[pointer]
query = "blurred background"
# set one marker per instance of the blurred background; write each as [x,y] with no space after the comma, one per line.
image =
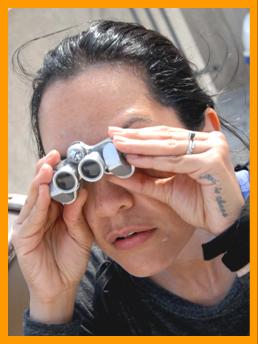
[215,40]
[210,38]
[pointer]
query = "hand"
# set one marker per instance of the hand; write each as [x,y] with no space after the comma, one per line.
[201,187]
[52,242]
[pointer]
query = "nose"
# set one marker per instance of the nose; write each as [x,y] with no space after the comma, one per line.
[109,199]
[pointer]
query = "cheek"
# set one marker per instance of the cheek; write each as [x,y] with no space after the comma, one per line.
[89,214]
[177,236]
[171,241]
[96,224]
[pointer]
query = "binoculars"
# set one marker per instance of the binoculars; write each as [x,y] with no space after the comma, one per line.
[88,163]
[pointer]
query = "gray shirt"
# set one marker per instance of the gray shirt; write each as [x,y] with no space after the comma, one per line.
[112,302]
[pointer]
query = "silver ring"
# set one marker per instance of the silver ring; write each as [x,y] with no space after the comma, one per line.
[191,142]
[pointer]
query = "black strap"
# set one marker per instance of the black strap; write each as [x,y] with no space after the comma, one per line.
[234,242]
[240,167]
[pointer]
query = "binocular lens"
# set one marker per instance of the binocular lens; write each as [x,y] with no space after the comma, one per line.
[65,181]
[90,169]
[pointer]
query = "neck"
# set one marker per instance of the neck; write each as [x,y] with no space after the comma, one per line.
[192,278]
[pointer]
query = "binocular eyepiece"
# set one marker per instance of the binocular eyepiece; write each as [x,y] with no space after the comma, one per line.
[88,163]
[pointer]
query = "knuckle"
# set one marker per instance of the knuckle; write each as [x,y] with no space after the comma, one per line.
[218,138]
[39,164]
[220,144]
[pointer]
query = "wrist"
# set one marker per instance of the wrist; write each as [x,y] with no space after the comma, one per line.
[55,311]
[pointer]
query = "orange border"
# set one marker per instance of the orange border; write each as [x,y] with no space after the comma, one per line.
[3,171]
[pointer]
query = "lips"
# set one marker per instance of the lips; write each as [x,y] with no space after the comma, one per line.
[130,237]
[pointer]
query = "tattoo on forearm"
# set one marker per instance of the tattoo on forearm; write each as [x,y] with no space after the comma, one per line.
[208,177]
[217,190]
[221,203]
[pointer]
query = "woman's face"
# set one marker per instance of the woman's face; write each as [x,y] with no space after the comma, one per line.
[82,108]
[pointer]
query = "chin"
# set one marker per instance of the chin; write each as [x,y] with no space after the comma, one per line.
[146,269]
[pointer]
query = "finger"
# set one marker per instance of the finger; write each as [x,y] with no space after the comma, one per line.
[38,215]
[74,218]
[73,211]
[159,147]
[52,159]
[55,210]
[193,165]
[44,176]
[148,132]
[158,132]
[200,167]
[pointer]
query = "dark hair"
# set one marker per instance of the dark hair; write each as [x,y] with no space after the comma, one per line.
[166,72]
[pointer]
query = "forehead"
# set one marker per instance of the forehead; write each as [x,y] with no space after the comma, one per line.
[82,107]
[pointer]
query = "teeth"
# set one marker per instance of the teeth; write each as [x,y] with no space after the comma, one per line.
[129,234]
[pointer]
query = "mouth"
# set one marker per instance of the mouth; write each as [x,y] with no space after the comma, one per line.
[128,238]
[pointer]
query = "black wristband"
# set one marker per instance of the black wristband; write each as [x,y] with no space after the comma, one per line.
[234,242]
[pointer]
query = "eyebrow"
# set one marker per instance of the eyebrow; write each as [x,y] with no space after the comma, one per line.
[133,120]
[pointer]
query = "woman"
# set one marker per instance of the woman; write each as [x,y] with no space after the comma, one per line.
[138,239]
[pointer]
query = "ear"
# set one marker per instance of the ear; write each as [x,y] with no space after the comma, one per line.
[212,121]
